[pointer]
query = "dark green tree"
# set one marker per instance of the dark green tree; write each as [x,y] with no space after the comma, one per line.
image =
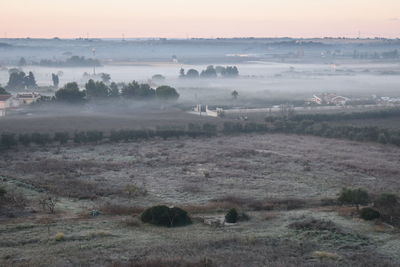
[114,90]
[235,94]
[192,73]
[354,197]
[30,81]
[166,93]
[96,89]
[70,93]
[3,91]
[130,90]
[232,216]
[22,62]
[16,80]
[209,72]
[56,80]
[106,78]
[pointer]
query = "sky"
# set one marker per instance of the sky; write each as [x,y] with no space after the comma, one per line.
[199,18]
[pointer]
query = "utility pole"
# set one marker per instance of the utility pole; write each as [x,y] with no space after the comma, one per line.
[94,61]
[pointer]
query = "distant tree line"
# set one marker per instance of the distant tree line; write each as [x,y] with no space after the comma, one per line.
[71,92]
[74,61]
[210,72]
[275,125]
[393,54]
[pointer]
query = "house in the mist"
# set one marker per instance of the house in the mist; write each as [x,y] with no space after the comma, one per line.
[28,98]
[5,103]
[328,99]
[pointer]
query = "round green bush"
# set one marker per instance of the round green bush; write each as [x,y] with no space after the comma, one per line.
[165,216]
[232,216]
[369,214]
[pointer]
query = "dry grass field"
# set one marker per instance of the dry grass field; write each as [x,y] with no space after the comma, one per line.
[280,181]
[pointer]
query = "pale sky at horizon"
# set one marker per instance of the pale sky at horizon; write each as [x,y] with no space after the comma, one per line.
[200,18]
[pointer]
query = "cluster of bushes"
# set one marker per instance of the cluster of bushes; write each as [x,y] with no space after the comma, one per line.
[385,206]
[9,140]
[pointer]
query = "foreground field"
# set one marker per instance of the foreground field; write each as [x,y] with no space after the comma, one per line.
[277,179]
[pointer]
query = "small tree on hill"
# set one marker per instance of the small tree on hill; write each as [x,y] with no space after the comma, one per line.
[232,216]
[388,204]
[354,197]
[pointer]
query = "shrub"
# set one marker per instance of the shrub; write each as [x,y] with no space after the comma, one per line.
[369,214]
[59,237]
[25,139]
[61,137]
[40,139]
[80,137]
[165,216]
[94,136]
[354,197]
[48,203]
[8,140]
[232,216]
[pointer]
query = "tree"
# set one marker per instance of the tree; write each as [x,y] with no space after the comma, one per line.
[192,73]
[8,140]
[114,90]
[3,91]
[129,90]
[355,197]
[30,81]
[96,89]
[209,72]
[182,73]
[235,94]
[387,203]
[105,77]
[145,91]
[22,62]
[166,93]
[70,93]
[165,216]
[158,77]
[56,80]
[232,216]
[230,72]
[16,80]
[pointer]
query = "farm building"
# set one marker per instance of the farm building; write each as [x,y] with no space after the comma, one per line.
[28,98]
[329,99]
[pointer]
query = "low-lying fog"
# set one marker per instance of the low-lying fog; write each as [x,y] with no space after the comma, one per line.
[258,80]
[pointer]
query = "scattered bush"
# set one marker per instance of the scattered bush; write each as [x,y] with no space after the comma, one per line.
[369,214]
[61,137]
[165,216]
[8,140]
[48,203]
[232,216]
[59,237]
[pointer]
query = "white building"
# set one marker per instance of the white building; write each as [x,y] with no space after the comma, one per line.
[28,98]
